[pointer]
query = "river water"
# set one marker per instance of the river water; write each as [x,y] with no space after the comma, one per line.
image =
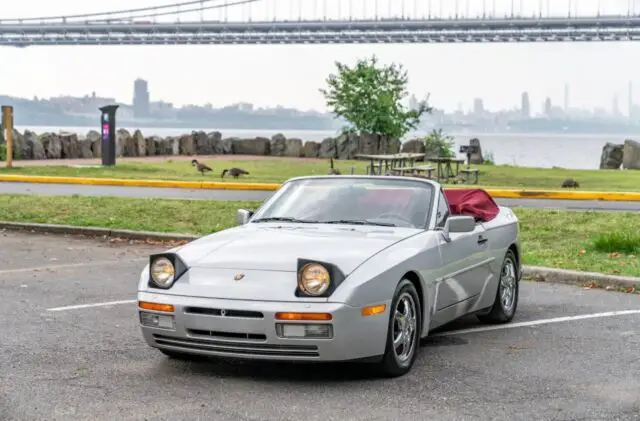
[575,151]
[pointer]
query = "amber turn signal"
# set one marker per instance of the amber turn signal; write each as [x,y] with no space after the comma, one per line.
[372,310]
[303,316]
[167,308]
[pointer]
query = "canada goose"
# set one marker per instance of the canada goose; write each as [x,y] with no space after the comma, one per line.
[200,167]
[570,183]
[234,172]
[333,171]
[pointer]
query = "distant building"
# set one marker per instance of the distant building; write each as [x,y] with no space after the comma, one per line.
[547,107]
[478,106]
[140,98]
[526,106]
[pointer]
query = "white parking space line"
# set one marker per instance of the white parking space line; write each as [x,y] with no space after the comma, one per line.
[70,265]
[539,322]
[106,304]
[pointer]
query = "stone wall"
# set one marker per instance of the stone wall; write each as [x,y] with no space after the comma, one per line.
[66,145]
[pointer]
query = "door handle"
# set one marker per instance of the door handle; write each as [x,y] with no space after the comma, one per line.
[482,240]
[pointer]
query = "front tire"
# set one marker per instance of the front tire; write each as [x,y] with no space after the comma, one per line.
[507,294]
[403,333]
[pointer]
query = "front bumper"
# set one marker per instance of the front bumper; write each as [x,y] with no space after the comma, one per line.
[247,329]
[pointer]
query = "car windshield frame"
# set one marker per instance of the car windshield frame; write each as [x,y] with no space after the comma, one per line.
[271,209]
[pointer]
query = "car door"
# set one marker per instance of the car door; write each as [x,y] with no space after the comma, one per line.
[465,261]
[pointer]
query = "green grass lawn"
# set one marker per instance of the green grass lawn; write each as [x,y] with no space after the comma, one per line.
[588,241]
[276,170]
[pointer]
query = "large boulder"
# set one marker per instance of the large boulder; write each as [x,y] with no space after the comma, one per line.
[631,155]
[124,143]
[612,155]
[476,158]
[96,143]
[21,149]
[256,146]
[34,144]
[311,149]
[347,145]
[52,145]
[278,144]
[139,144]
[187,145]
[293,148]
[153,145]
[389,145]
[222,146]
[413,146]
[328,148]
[203,143]
[70,145]
[84,144]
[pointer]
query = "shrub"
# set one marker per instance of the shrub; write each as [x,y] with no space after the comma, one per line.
[620,242]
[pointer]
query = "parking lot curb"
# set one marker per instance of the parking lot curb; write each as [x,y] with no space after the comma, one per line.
[496,192]
[534,273]
[95,232]
[574,277]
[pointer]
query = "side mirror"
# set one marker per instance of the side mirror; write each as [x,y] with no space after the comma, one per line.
[458,224]
[243,216]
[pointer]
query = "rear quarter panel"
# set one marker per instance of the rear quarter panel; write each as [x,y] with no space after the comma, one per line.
[502,232]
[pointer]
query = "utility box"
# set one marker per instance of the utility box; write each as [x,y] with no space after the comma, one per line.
[108,130]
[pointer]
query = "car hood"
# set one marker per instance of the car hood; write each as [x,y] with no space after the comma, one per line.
[273,247]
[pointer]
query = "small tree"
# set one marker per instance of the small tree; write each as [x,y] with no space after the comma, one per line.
[440,145]
[370,98]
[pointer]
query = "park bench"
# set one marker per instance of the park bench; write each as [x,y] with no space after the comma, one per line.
[468,172]
[414,170]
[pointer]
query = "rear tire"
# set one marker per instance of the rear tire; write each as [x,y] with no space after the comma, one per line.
[405,325]
[507,294]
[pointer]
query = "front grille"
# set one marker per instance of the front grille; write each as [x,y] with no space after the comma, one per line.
[245,314]
[228,335]
[238,348]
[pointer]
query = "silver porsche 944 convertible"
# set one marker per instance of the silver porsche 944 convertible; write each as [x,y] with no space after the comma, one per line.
[336,268]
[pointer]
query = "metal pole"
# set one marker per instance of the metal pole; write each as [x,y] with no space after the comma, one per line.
[7,126]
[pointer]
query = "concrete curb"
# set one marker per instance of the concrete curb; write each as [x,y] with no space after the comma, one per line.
[95,232]
[212,185]
[538,273]
[574,277]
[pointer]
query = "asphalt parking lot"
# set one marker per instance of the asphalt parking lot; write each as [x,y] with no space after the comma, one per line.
[88,361]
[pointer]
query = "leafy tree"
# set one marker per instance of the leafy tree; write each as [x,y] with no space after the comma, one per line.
[369,96]
[438,144]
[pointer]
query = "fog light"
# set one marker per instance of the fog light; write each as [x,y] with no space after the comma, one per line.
[310,331]
[161,321]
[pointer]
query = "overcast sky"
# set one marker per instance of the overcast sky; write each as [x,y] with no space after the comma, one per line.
[291,75]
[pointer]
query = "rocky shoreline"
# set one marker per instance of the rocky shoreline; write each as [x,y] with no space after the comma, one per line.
[68,145]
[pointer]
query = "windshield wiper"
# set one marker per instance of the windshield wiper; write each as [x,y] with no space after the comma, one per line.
[284,219]
[359,222]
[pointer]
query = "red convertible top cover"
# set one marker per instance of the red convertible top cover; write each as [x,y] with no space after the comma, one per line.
[472,202]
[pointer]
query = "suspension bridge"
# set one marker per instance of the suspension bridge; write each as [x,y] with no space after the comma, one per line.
[218,22]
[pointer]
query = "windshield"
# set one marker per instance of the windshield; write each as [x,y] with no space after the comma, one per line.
[345,200]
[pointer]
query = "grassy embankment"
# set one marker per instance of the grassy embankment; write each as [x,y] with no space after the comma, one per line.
[276,170]
[588,241]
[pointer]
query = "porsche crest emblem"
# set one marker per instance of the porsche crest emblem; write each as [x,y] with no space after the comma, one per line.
[238,277]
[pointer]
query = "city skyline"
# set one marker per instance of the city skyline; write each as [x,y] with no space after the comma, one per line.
[142,98]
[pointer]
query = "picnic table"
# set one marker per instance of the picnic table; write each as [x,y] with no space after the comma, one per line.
[444,169]
[389,161]
[417,169]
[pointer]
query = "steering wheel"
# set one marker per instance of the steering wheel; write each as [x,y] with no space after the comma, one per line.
[388,215]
